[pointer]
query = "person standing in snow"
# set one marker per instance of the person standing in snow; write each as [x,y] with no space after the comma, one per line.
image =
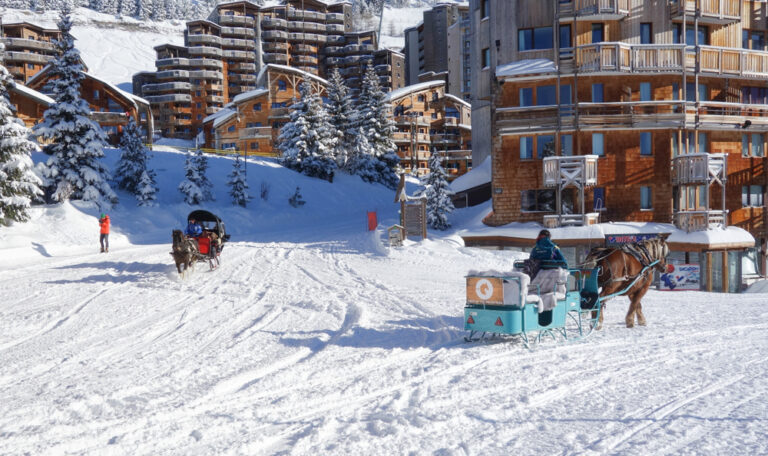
[547,252]
[104,237]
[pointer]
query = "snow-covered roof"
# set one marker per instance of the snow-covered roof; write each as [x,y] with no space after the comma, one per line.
[31,93]
[530,66]
[201,21]
[714,238]
[477,176]
[395,94]
[31,25]
[271,3]
[457,100]
[261,82]
[220,116]
[131,97]
[248,95]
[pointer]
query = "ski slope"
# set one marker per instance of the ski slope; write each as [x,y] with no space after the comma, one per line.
[315,337]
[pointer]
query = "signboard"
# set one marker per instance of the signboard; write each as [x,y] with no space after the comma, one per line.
[415,218]
[680,277]
[485,290]
[614,240]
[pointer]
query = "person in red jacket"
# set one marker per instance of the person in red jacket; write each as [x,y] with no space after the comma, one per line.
[104,238]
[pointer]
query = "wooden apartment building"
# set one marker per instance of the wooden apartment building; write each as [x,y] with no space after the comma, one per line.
[28,48]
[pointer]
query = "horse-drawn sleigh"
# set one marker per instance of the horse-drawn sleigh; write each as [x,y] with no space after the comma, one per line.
[205,247]
[569,307]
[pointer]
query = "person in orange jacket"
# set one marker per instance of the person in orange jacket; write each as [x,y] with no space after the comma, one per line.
[104,238]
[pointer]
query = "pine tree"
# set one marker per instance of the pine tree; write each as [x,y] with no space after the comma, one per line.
[190,186]
[77,143]
[341,117]
[361,160]
[238,185]
[438,193]
[306,142]
[376,123]
[202,171]
[18,184]
[146,191]
[133,159]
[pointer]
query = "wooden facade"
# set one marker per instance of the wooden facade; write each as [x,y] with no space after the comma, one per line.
[252,122]
[28,49]
[429,120]
[110,107]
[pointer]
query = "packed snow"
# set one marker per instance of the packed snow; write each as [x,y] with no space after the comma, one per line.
[316,337]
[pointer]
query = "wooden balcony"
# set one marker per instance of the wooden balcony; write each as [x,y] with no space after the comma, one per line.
[730,61]
[112,118]
[255,133]
[172,63]
[409,120]
[599,10]
[699,169]
[556,221]
[275,47]
[206,63]
[21,44]
[238,31]
[27,57]
[231,20]
[570,171]
[699,220]
[211,40]
[613,57]
[166,87]
[271,23]
[406,137]
[276,58]
[335,18]
[205,51]
[709,11]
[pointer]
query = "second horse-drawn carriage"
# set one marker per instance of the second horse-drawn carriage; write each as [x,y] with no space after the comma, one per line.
[206,247]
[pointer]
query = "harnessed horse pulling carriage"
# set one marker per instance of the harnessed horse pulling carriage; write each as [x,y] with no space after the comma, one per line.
[204,248]
[561,304]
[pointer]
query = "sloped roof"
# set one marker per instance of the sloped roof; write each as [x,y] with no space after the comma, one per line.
[260,79]
[248,95]
[407,90]
[220,116]
[31,93]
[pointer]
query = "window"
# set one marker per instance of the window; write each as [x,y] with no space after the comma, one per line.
[526,147]
[565,36]
[96,94]
[597,93]
[646,143]
[752,195]
[545,146]
[526,96]
[486,58]
[597,144]
[646,202]
[598,33]
[257,107]
[645,91]
[535,38]
[646,34]
[752,145]
[545,95]
[254,146]
[199,116]
[198,105]
[598,199]
[538,200]
[231,128]
[485,8]
[566,145]
[198,93]
[282,86]
[758,40]
[690,92]
[30,66]
[703,142]
[754,95]
[565,94]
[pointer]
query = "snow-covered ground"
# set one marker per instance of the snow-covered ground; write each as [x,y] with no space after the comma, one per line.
[315,337]
[113,48]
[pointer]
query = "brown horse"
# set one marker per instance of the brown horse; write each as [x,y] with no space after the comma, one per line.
[620,266]
[184,251]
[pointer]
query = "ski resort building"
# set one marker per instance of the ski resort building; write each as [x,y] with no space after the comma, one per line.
[111,107]
[428,121]
[627,111]
[251,123]
[28,48]
[222,56]
[29,104]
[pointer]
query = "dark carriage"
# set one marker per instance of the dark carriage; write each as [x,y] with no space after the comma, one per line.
[204,248]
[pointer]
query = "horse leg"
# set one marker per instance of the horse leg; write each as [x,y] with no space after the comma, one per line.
[630,318]
[639,307]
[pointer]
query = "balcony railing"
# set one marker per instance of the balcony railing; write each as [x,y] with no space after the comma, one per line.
[174,62]
[23,43]
[570,171]
[276,58]
[27,57]
[202,74]
[622,57]
[408,120]
[172,74]
[555,221]
[711,11]
[243,21]
[594,9]
[238,55]
[699,220]
[175,98]
[335,17]
[275,35]
[238,31]
[294,13]
[109,117]
[229,43]
[406,137]
[204,39]
[206,63]
[206,51]
[166,87]
[255,132]
[271,23]
[699,169]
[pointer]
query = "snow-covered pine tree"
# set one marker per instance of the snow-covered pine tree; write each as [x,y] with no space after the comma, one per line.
[373,117]
[202,171]
[361,161]
[77,142]
[146,191]
[341,117]
[18,184]
[438,193]
[190,186]
[133,158]
[238,187]
[306,142]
